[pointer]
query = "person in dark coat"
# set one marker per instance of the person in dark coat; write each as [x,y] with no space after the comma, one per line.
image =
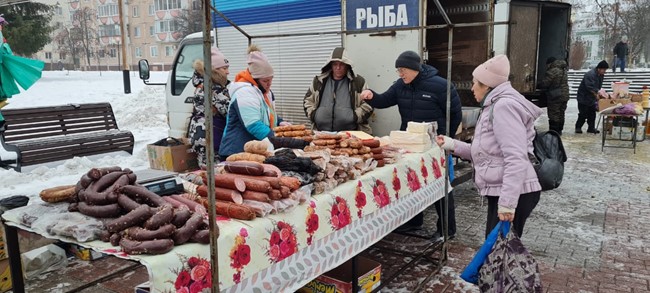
[621,51]
[587,97]
[556,84]
[421,96]
[220,102]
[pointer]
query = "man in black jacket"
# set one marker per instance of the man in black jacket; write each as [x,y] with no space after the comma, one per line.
[587,97]
[421,96]
[620,54]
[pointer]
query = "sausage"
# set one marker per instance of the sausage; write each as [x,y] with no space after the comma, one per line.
[73,207]
[96,173]
[221,193]
[183,234]
[142,193]
[235,211]
[201,236]
[188,202]
[134,217]
[126,202]
[378,156]
[173,202]
[159,246]
[254,183]
[81,196]
[104,236]
[141,234]
[59,193]
[380,163]
[377,150]
[229,182]
[181,216]
[115,238]
[255,195]
[371,143]
[97,198]
[285,191]
[85,180]
[163,216]
[271,170]
[275,194]
[106,181]
[245,168]
[102,211]
[292,182]
[132,178]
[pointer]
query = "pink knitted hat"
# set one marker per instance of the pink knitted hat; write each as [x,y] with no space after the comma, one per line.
[493,72]
[258,64]
[218,59]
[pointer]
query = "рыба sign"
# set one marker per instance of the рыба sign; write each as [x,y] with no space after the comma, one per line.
[381,14]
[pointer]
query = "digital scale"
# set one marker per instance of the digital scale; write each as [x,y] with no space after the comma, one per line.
[160,182]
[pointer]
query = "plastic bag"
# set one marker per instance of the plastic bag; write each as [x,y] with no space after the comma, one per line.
[509,267]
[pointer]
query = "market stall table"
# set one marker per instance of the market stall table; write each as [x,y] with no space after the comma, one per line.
[284,251]
[606,117]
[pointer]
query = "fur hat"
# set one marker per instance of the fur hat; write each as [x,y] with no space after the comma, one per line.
[603,64]
[258,64]
[408,59]
[217,58]
[493,72]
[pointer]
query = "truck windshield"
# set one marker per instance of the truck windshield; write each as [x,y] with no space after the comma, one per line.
[183,69]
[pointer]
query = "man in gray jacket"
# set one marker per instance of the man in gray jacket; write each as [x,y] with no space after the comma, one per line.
[332,102]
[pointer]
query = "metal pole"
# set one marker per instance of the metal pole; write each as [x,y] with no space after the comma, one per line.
[209,141]
[125,67]
[445,205]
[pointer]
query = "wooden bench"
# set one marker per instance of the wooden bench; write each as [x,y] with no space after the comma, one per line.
[47,134]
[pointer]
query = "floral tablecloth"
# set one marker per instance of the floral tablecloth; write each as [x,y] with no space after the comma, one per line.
[282,252]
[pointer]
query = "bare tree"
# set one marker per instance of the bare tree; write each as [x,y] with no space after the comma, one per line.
[67,45]
[190,21]
[84,31]
[624,17]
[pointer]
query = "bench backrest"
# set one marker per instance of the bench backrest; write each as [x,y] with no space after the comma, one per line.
[41,122]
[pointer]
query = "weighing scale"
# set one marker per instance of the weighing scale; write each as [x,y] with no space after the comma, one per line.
[160,182]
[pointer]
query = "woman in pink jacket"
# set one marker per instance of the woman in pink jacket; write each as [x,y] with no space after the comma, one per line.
[503,138]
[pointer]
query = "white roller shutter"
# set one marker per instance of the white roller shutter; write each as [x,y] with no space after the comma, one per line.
[296,60]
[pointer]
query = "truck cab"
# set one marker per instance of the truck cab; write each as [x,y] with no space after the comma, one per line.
[179,91]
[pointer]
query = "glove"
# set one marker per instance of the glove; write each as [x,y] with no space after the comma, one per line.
[269,144]
[288,142]
[448,143]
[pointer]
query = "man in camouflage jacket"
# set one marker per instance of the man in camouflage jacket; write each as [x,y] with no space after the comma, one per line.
[557,92]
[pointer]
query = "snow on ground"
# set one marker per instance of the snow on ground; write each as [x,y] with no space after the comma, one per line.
[142,112]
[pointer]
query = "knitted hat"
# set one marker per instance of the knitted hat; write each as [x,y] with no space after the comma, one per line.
[493,72]
[2,20]
[218,59]
[603,64]
[408,59]
[258,64]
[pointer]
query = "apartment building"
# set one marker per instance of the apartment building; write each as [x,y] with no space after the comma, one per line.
[151,26]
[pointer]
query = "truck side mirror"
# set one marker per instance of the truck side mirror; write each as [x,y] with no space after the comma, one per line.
[143,66]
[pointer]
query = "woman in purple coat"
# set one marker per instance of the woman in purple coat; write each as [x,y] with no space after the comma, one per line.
[503,140]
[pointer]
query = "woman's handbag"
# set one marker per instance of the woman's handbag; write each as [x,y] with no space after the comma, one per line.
[509,267]
[471,272]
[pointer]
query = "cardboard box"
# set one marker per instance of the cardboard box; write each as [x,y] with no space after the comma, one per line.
[171,154]
[83,253]
[606,103]
[340,278]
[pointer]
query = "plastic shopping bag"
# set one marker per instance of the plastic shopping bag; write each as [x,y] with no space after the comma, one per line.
[471,272]
[509,267]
